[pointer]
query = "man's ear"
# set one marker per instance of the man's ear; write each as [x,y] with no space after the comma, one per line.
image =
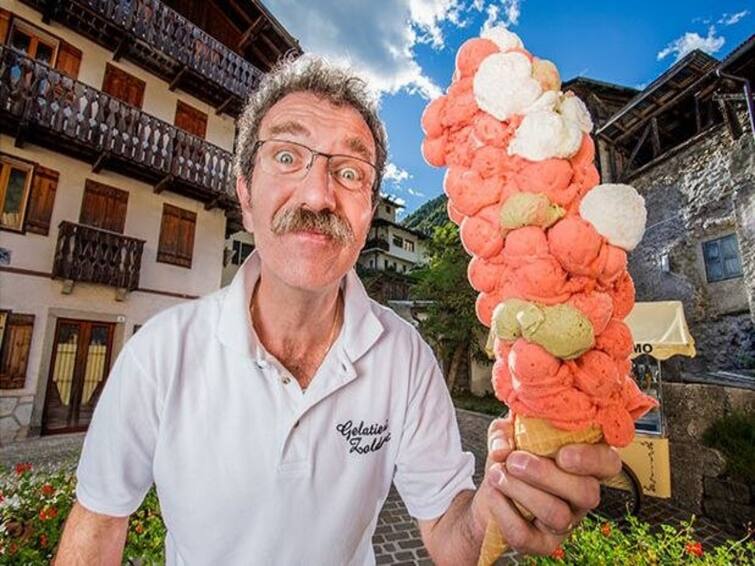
[244,194]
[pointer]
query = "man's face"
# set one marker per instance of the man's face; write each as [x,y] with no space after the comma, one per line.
[273,205]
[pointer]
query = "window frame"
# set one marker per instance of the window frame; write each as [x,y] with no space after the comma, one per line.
[7,163]
[165,256]
[718,243]
[35,33]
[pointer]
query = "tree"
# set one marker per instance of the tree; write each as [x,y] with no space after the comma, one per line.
[450,324]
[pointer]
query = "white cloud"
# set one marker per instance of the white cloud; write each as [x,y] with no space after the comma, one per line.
[375,38]
[692,40]
[731,19]
[395,174]
[506,14]
[415,193]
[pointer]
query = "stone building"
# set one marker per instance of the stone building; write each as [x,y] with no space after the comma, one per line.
[117,126]
[686,143]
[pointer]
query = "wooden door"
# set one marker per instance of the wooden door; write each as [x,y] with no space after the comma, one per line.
[123,86]
[79,365]
[191,120]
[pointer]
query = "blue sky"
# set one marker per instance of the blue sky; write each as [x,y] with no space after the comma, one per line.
[406,49]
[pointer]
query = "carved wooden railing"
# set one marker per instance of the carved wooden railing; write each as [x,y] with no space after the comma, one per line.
[93,255]
[165,30]
[74,113]
[379,243]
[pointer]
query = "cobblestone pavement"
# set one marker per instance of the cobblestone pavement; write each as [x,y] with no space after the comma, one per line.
[397,540]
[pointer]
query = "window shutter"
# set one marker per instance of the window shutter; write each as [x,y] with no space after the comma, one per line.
[4,24]
[44,185]
[104,207]
[191,120]
[69,60]
[176,236]
[123,86]
[15,351]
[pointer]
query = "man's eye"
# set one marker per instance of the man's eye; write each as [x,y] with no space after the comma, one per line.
[285,158]
[349,174]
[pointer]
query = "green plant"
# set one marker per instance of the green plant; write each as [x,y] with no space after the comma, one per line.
[486,404]
[734,436]
[34,504]
[601,543]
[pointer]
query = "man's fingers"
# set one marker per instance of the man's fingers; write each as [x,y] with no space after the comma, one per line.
[500,440]
[518,533]
[597,460]
[581,492]
[551,511]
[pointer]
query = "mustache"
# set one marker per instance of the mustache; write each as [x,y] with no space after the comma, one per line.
[302,219]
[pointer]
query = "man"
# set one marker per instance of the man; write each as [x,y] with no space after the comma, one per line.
[274,414]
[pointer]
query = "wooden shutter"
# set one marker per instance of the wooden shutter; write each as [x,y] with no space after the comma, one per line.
[41,200]
[176,236]
[69,60]
[123,86]
[104,207]
[15,350]
[190,119]
[4,24]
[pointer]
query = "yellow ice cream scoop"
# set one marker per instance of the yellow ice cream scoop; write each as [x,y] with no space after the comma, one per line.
[529,209]
[561,330]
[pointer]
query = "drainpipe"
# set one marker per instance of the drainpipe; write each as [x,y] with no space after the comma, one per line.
[748,96]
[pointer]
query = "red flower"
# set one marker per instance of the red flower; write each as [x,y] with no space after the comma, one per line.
[22,468]
[694,548]
[12,548]
[139,528]
[2,497]
[48,490]
[605,528]
[43,540]
[558,554]
[48,513]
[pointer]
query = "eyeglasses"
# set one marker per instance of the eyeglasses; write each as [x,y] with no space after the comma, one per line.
[294,160]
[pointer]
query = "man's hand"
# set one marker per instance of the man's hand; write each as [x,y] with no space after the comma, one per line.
[559,492]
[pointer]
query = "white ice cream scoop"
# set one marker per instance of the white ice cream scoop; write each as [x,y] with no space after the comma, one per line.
[503,85]
[545,134]
[617,212]
[503,38]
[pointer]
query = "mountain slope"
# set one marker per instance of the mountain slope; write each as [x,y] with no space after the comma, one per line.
[428,216]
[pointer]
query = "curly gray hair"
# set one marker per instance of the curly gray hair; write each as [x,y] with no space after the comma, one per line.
[308,74]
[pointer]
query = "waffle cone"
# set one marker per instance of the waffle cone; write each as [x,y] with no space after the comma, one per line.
[539,437]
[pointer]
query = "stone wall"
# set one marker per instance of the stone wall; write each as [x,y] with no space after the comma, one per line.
[703,191]
[697,481]
[15,413]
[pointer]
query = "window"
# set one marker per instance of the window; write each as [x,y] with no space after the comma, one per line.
[14,349]
[104,207]
[409,245]
[191,120]
[123,86]
[241,251]
[15,184]
[722,258]
[33,41]
[388,209]
[398,241]
[176,236]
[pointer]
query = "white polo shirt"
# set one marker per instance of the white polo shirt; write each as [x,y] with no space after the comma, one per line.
[251,470]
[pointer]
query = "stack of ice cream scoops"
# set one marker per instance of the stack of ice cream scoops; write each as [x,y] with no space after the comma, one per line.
[548,244]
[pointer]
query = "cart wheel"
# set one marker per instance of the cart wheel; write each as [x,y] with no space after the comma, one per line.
[619,496]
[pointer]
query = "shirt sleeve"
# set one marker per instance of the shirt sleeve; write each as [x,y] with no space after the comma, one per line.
[431,468]
[115,468]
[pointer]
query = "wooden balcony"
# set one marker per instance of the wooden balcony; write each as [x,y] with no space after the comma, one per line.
[40,104]
[89,254]
[162,41]
[379,243]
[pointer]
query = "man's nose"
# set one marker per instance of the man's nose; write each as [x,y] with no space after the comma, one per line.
[317,189]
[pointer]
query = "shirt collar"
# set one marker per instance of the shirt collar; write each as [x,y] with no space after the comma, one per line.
[361,327]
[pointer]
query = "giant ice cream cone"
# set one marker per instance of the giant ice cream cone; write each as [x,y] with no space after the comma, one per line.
[539,437]
[548,244]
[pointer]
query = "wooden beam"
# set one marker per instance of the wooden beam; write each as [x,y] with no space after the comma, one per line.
[252,32]
[99,163]
[656,139]
[698,119]
[635,151]
[122,48]
[23,127]
[164,182]
[212,203]
[50,11]
[274,48]
[731,119]
[269,64]
[177,79]
[224,105]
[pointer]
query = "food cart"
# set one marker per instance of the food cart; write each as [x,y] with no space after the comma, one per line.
[660,331]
